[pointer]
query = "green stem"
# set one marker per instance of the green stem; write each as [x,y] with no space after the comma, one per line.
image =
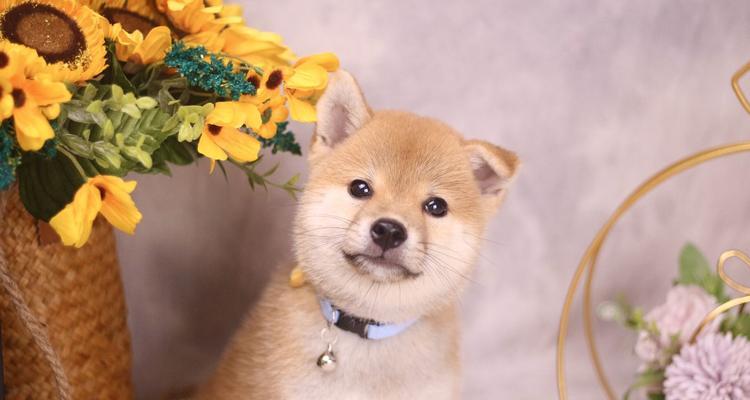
[73,159]
[250,169]
[242,63]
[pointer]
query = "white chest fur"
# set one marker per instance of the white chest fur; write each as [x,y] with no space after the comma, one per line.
[274,356]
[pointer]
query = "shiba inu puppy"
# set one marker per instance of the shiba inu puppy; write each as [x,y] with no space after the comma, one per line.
[387,233]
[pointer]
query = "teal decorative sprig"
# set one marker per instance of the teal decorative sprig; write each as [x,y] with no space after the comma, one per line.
[208,71]
[284,141]
[10,156]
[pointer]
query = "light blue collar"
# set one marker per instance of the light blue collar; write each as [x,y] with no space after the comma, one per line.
[365,328]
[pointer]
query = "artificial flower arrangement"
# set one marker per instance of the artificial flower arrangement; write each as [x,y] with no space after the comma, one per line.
[687,350]
[93,90]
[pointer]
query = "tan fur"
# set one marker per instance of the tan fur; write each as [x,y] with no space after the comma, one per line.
[406,159]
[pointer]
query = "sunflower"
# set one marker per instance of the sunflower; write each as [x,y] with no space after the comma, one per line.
[221,137]
[108,195]
[29,95]
[67,35]
[132,15]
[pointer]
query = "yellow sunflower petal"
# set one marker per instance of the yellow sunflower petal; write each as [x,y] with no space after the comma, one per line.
[6,107]
[279,114]
[24,62]
[329,61]
[240,146]
[125,42]
[301,110]
[211,40]
[307,76]
[6,99]
[255,46]
[117,205]
[32,127]
[209,148]
[227,113]
[74,222]
[51,111]
[44,93]
[9,63]
[253,119]
[154,46]
[267,131]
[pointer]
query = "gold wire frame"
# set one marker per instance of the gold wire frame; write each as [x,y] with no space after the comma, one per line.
[740,301]
[587,264]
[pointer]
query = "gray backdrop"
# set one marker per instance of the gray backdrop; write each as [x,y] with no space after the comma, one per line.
[594,96]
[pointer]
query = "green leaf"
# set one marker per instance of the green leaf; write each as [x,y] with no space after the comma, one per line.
[78,114]
[47,185]
[159,166]
[696,270]
[175,152]
[132,110]
[646,379]
[272,170]
[114,74]
[694,267]
[109,153]
[257,179]
[77,145]
[251,182]
[739,325]
[292,182]
[89,91]
[146,103]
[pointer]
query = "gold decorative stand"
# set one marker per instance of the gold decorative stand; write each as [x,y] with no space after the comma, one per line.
[587,266]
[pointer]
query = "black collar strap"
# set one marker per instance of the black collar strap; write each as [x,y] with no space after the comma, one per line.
[365,328]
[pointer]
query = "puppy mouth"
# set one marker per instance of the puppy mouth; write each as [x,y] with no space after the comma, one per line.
[363,262]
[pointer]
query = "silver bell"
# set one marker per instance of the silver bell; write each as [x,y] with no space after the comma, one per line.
[327,361]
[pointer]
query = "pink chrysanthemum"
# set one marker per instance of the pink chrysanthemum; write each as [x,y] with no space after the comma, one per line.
[716,367]
[685,308]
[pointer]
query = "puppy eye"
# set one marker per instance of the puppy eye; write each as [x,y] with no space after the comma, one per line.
[436,206]
[359,189]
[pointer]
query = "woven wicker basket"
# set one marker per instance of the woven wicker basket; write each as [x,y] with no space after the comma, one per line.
[62,310]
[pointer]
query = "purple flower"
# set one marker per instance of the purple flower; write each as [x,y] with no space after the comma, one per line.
[716,367]
[675,321]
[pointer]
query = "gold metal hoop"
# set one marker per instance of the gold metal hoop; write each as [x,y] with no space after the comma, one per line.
[740,301]
[737,89]
[588,262]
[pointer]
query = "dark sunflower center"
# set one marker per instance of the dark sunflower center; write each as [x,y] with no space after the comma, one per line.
[214,129]
[102,192]
[274,80]
[254,80]
[4,59]
[19,97]
[130,21]
[49,31]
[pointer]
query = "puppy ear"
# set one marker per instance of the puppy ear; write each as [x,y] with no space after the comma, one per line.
[342,110]
[494,168]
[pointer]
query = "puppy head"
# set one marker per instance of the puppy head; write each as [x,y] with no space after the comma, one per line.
[391,220]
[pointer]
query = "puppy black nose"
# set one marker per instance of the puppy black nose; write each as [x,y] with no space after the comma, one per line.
[388,233]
